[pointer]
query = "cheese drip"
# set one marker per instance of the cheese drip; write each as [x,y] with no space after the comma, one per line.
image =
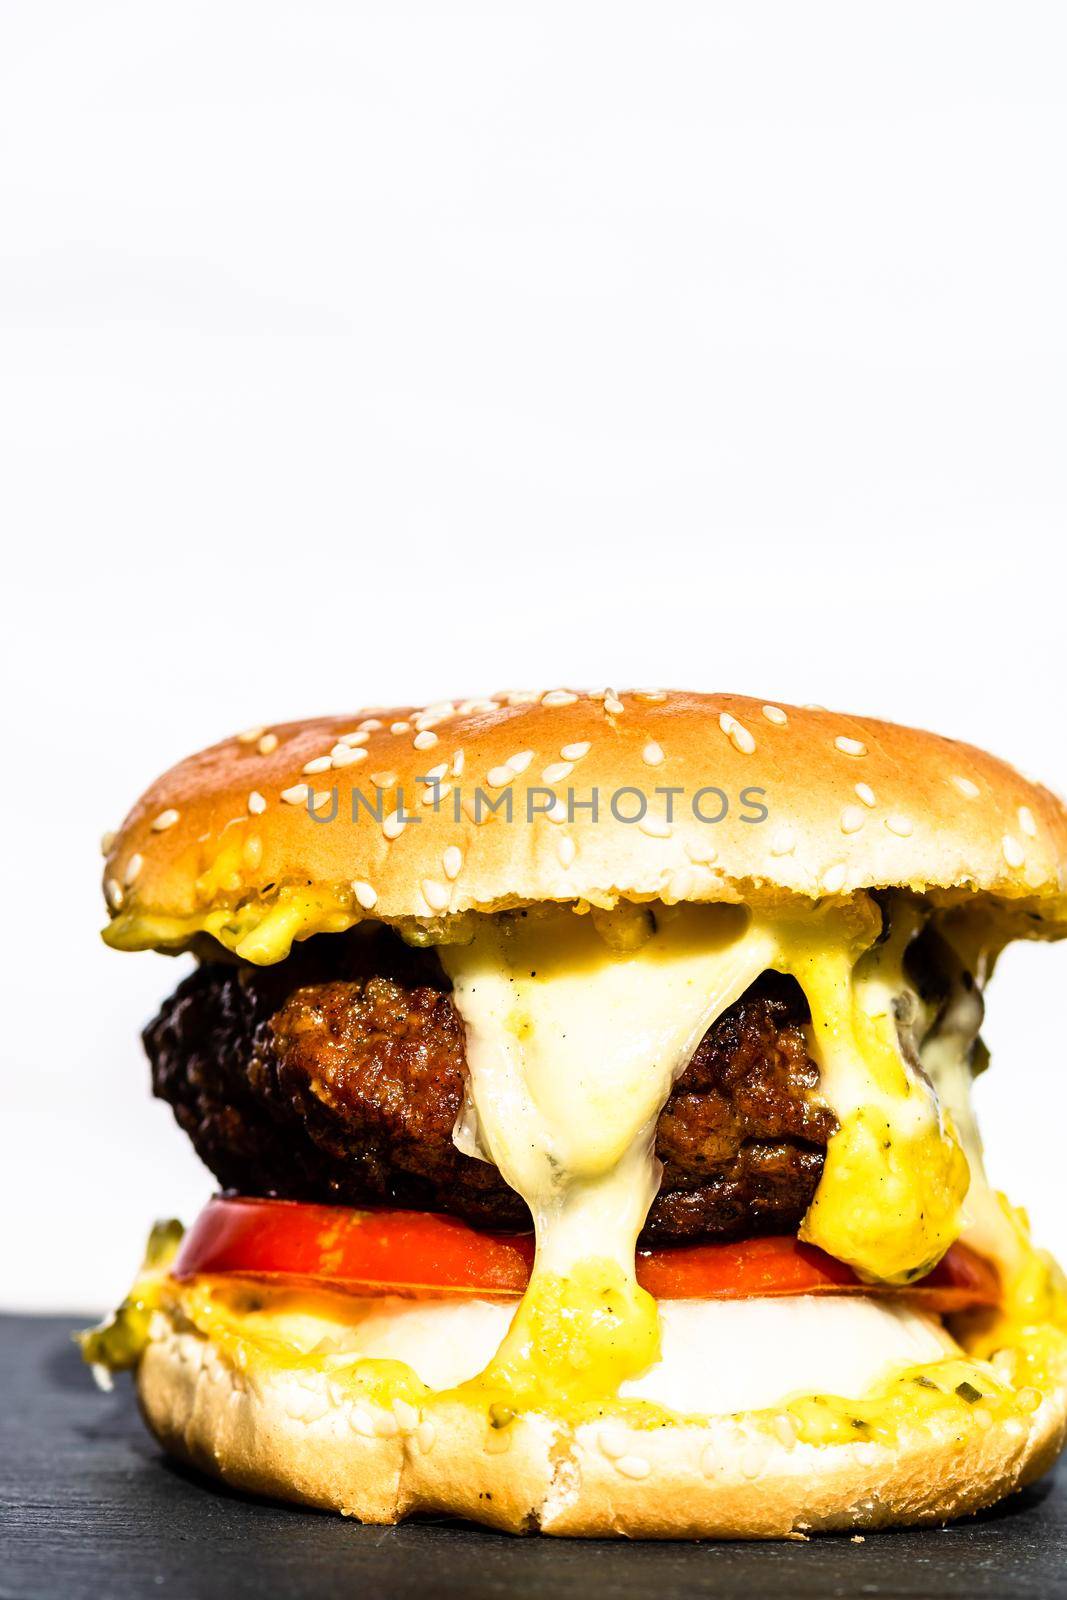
[889,1200]
[572,1047]
[573,1042]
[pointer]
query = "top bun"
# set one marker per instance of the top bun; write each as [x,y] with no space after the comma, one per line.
[816,804]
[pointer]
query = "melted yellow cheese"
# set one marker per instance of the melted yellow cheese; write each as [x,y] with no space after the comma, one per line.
[889,1201]
[258,930]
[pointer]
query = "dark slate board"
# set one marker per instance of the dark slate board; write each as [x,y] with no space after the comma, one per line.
[89,1507]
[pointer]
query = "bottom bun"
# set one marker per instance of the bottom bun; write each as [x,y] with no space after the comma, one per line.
[293,1432]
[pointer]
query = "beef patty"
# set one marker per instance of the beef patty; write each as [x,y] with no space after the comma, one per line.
[337,1076]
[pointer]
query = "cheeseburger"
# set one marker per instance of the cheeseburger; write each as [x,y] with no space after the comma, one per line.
[587,1080]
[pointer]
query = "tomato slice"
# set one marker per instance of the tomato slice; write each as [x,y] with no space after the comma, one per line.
[422,1254]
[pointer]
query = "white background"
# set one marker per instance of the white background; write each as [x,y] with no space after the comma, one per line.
[356,352]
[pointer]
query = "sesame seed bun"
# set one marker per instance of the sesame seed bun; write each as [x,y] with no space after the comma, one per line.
[816,804]
[286,1432]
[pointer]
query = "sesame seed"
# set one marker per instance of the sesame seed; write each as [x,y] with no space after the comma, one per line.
[566,850]
[612,1442]
[558,697]
[522,697]
[434,793]
[776,715]
[165,820]
[359,737]
[386,1425]
[849,747]
[783,842]
[344,756]
[575,752]
[361,1423]
[296,795]
[394,825]
[653,696]
[652,754]
[785,1430]
[633,1466]
[833,878]
[107,841]
[1027,823]
[498,777]
[268,744]
[520,761]
[1014,854]
[406,1415]
[424,740]
[702,854]
[709,1461]
[435,774]
[320,799]
[459,761]
[557,812]
[737,734]
[556,771]
[902,826]
[655,827]
[400,727]
[612,704]
[250,735]
[425,1436]
[969,790]
[256,803]
[370,725]
[435,894]
[365,894]
[452,861]
[320,764]
[753,1460]
[851,819]
[133,867]
[113,894]
[866,794]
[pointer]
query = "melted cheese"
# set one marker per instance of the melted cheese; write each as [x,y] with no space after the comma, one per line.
[577,1027]
[260,931]
[572,1047]
[831,1371]
[765,1350]
[889,1201]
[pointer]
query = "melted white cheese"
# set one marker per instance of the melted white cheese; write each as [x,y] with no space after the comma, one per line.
[573,1047]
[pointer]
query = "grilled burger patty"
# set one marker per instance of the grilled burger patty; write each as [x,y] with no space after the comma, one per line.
[337,1075]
